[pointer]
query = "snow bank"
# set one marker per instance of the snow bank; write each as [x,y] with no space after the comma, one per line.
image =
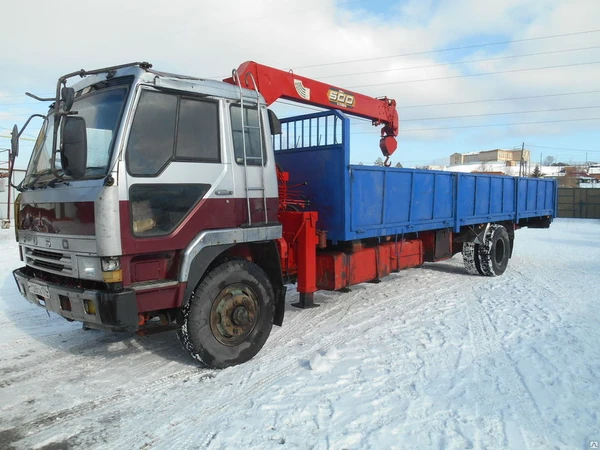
[429,358]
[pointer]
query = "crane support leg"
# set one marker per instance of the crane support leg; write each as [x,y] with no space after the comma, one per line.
[300,233]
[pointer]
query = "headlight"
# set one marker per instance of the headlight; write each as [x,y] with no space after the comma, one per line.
[88,267]
[110,264]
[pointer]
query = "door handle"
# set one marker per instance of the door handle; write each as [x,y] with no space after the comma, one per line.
[223,192]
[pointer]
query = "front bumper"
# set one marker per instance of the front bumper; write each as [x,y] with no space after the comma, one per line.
[107,310]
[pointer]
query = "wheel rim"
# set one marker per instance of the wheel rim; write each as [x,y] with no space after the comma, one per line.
[234,314]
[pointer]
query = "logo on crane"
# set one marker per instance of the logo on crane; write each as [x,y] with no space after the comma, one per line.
[341,98]
[302,91]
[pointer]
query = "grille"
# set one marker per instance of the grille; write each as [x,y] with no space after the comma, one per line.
[49,261]
[45,254]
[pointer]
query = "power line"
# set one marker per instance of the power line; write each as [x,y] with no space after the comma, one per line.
[500,113]
[22,139]
[464,47]
[300,105]
[497,100]
[12,96]
[567,149]
[477,74]
[317,109]
[10,129]
[459,62]
[20,104]
[263,16]
[483,126]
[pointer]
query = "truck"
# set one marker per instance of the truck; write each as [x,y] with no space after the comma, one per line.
[154,201]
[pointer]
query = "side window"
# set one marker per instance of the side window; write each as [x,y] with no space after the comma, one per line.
[252,136]
[156,210]
[152,133]
[198,131]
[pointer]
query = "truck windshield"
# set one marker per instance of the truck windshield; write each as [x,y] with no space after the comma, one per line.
[102,111]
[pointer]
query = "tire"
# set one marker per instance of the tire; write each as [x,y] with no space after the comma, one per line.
[230,315]
[470,252]
[494,253]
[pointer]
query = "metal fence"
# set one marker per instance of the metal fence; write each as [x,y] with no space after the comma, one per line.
[579,203]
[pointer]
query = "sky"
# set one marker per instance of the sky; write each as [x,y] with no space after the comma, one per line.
[466,75]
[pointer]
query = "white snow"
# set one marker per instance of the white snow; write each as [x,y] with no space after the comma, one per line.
[494,166]
[429,358]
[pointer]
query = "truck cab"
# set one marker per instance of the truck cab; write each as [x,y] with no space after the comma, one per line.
[178,170]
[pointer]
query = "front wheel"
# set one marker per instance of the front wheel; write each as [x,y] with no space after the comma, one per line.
[229,318]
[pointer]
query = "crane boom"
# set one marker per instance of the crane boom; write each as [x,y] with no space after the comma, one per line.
[274,84]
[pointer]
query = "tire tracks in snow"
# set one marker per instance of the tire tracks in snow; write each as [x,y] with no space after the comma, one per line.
[507,380]
[263,372]
[336,321]
[28,428]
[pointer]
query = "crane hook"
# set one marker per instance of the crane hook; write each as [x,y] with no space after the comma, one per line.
[387,162]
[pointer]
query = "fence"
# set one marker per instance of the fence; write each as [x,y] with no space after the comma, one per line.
[579,203]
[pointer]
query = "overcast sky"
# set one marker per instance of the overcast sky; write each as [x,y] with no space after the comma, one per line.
[376,47]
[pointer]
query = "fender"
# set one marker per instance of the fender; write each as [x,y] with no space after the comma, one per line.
[209,244]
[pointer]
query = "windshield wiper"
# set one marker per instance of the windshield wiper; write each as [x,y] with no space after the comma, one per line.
[55,180]
[36,177]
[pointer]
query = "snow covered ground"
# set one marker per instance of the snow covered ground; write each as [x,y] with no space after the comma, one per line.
[429,358]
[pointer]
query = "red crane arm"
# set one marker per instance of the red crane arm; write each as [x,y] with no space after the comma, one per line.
[274,84]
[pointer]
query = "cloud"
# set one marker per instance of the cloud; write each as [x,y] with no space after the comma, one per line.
[210,38]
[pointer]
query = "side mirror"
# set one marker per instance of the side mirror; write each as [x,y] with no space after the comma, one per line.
[67,95]
[274,123]
[73,156]
[14,142]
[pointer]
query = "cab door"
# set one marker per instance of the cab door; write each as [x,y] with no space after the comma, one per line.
[179,178]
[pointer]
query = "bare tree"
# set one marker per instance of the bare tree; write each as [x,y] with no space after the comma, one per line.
[484,167]
[379,161]
[548,161]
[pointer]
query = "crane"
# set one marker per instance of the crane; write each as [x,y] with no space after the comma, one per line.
[274,84]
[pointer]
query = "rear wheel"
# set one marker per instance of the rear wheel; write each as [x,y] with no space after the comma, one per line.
[228,319]
[495,251]
[470,252]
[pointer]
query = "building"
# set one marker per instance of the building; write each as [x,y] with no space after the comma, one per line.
[499,155]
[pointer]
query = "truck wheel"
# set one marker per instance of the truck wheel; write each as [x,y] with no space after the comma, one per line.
[230,315]
[495,251]
[470,252]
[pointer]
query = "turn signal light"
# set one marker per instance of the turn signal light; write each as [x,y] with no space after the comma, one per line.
[116,276]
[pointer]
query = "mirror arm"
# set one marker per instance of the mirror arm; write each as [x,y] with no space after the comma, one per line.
[29,120]
[13,156]
[41,99]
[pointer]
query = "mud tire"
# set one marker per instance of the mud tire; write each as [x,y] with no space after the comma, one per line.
[209,318]
[470,253]
[494,253]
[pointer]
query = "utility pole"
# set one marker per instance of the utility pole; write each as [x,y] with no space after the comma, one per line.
[521,171]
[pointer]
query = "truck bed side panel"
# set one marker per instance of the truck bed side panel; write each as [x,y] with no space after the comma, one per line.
[357,201]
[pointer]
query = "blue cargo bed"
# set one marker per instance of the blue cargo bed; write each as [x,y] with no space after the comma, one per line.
[357,202]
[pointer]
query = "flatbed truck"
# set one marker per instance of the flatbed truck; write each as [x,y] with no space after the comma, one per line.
[155,201]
